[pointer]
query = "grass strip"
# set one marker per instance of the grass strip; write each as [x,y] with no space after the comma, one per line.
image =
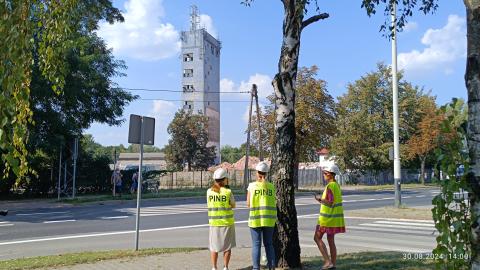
[85,257]
[376,261]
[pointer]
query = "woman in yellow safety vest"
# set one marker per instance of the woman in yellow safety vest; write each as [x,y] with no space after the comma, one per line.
[262,202]
[331,220]
[220,202]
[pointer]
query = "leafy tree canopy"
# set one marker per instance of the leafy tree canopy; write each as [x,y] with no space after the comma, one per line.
[188,144]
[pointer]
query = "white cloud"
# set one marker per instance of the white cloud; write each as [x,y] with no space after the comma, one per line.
[410,26]
[442,48]
[227,85]
[207,23]
[163,109]
[163,112]
[142,36]
[263,82]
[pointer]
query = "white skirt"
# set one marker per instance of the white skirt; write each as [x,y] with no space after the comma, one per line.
[222,238]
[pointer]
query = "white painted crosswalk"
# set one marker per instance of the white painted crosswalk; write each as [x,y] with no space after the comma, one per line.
[5,224]
[403,235]
[402,226]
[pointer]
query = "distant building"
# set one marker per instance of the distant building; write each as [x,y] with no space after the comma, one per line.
[151,161]
[201,77]
[324,158]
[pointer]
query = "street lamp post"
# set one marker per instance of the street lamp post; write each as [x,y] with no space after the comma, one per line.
[396,142]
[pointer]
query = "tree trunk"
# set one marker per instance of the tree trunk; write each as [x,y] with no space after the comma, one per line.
[287,247]
[472,82]
[422,169]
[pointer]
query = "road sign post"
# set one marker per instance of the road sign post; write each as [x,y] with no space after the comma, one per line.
[141,131]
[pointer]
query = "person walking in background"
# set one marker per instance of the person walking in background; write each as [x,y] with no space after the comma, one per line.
[116,180]
[261,199]
[134,186]
[331,220]
[220,203]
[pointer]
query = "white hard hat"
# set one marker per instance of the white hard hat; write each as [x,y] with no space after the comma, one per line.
[262,167]
[332,168]
[220,174]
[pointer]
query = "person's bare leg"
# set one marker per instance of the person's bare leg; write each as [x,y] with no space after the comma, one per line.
[333,248]
[214,257]
[226,257]
[323,249]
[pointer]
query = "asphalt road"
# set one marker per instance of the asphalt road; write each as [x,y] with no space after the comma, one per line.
[50,229]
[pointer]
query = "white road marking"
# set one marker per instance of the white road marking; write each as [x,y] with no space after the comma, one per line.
[115,217]
[5,225]
[366,200]
[43,213]
[391,219]
[373,218]
[396,226]
[107,234]
[59,221]
[387,230]
[421,196]
[405,223]
[406,197]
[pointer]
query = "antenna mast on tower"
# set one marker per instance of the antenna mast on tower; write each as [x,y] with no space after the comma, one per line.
[194,18]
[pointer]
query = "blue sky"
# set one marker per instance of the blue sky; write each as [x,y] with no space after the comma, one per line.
[432,51]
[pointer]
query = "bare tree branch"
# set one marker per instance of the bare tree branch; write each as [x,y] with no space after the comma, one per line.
[314,19]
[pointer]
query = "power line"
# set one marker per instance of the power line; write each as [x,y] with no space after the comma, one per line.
[180,91]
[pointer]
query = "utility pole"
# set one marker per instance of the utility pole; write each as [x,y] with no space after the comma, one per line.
[59,174]
[75,155]
[114,169]
[396,141]
[246,173]
[255,96]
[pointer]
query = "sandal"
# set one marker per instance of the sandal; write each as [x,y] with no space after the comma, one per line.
[329,267]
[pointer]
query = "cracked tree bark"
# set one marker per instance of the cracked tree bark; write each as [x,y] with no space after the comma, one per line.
[286,242]
[472,82]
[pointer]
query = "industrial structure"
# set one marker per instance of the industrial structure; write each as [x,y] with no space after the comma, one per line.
[200,56]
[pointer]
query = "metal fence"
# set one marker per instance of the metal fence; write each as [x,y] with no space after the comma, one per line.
[307,177]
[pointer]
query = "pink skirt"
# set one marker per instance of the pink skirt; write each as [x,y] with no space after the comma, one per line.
[330,230]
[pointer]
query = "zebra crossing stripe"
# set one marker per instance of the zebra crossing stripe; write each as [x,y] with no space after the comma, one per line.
[390,230]
[395,226]
[406,223]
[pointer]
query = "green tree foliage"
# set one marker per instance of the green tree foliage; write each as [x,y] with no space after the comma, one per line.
[426,138]
[472,83]
[314,117]
[231,154]
[20,21]
[364,120]
[93,166]
[188,143]
[451,212]
[406,8]
[88,95]
[135,148]
[45,33]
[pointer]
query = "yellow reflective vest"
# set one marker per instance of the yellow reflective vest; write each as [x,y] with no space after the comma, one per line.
[263,205]
[332,216]
[220,212]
